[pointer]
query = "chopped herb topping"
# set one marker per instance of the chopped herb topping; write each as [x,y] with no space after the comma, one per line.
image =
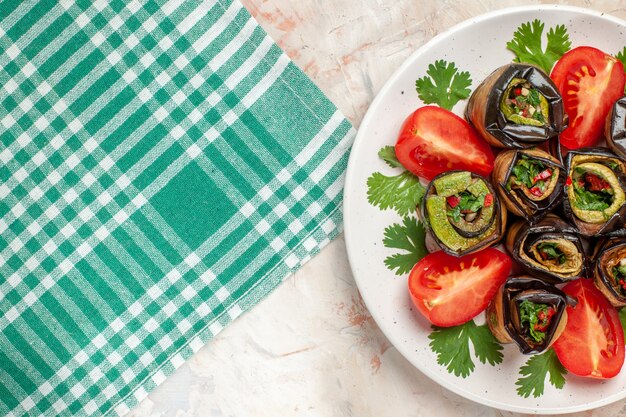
[591,191]
[532,174]
[536,318]
[526,102]
[465,204]
[551,251]
[619,274]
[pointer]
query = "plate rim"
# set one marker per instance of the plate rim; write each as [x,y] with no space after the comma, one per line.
[359,141]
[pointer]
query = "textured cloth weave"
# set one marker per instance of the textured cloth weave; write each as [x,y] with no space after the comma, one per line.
[163,166]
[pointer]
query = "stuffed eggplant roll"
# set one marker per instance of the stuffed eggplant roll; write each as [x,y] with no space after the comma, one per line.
[528,312]
[462,212]
[595,200]
[517,106]
[550,249]
[529,182]
[610,270]
[615,128]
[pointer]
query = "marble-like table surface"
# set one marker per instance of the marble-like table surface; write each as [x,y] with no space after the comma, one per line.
[311,348]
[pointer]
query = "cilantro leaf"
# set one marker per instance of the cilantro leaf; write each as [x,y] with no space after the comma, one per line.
[401,192]
[451,344]
[526,44]
[444,85]
[388,154]
[410,237]
[534,374]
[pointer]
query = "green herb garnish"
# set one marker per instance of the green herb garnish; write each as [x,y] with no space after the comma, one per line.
[535,371]
[400,192]
[527,44]
[408,237]
[388,154]
[444,85]
[452,346]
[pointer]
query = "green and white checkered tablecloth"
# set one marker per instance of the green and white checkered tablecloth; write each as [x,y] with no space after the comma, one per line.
[163,166]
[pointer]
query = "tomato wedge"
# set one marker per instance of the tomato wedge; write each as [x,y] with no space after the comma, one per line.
[590,82]
[450,291]
[434,140]
[592,343]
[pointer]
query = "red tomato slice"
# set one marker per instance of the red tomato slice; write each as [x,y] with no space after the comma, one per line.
[590,82]
[434,140]
[450,291]
[592,343]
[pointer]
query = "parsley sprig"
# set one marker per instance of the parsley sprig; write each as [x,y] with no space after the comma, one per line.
[444,85]
[408,237]
[388,154]
[401,193]
[452,346]
[527,44]
[532,381]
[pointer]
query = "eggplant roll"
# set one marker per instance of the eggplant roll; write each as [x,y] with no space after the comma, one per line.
[550,249]
[610,269]
[462,212]
[517,106]
[615,128]
[529,182]
[528,312]
[595,199]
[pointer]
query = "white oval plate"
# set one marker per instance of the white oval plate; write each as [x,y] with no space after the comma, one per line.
[477,46]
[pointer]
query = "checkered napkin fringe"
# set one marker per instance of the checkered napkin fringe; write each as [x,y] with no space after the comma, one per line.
[163,166]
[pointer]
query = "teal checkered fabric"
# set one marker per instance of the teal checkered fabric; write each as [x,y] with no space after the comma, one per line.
[163,166]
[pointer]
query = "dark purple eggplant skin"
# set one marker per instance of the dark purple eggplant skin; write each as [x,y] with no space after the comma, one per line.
[603,251]
[615,128]
[517,289]
[512,135]
[549,226]
[534,211]
[617,221]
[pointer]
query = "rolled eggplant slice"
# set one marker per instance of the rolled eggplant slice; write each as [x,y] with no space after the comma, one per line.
[595,199]
[610,270]
[528,312]
[615,128]
[529,182]
[462,212]
[517,106]
[550,249]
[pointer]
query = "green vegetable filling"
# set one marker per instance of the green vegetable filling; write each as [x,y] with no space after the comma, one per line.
[536,318]
[619,274]
[551,251]
[530,173]
[467,204]
[524,104]
[591,191]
